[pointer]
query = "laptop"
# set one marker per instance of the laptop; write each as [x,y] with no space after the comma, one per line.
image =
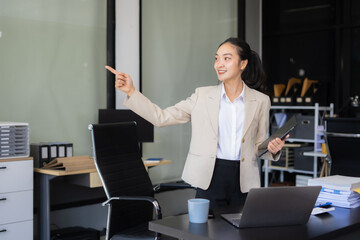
[280,133]
[275,206]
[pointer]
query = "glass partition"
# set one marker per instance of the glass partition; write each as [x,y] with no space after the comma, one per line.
[179,42]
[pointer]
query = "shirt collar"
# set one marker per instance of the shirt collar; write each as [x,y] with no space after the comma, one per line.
[225,97]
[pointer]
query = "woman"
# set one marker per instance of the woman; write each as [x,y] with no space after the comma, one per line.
[228,121]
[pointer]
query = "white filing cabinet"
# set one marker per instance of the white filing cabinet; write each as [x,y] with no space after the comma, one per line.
[16,199]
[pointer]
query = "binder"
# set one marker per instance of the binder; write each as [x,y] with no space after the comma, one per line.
[40,154]
[61,150]
[278,92]
[45,152]
[308,91]
[64,149]
[292,91]
[69,149]
[53,151]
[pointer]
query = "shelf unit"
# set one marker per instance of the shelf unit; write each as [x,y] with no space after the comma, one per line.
[315,154]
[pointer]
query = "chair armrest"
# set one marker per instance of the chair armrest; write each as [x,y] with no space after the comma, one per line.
[171,186]
[153,201]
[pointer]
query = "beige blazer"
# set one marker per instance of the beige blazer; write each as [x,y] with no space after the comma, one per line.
[202,109]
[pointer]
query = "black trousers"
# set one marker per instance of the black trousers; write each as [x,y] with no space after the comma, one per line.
[224,189]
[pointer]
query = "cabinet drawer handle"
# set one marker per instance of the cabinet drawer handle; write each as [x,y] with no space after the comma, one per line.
[3,199]
[2,167]
[2,230]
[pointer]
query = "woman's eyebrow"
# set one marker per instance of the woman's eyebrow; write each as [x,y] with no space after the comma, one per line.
[229,54]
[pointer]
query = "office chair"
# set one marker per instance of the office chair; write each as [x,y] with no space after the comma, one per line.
[129,191]
[343,141]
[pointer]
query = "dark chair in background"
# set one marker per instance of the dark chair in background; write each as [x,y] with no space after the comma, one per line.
[343,140]
[125,180]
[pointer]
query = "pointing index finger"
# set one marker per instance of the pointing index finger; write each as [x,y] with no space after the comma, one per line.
[111,70]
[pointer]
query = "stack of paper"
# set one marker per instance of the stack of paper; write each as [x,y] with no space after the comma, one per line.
[341,191]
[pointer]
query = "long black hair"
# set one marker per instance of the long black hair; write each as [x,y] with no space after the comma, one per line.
[254,74]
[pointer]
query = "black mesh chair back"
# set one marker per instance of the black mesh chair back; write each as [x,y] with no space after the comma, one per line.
[343,140]
[122,172]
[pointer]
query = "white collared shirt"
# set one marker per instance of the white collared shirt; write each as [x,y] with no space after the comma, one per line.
[231,122]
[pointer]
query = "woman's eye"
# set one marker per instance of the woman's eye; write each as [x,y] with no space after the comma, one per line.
[227,58]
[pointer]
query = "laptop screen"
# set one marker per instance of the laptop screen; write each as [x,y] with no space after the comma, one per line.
[276,206]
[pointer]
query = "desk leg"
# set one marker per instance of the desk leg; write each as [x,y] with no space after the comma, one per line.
[315,167]
[266,174]
[44,208]
[281,176]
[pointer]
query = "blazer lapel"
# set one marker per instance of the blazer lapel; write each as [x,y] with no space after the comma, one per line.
[250,108]
[213,107]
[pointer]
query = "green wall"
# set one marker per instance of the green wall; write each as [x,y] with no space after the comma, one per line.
[52,57]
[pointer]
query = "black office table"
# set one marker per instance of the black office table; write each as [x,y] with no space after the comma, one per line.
[330,225]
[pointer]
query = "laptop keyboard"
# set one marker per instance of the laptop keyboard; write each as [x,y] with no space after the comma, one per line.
[236,221]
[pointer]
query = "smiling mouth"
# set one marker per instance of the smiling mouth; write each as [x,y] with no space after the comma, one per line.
[221,72]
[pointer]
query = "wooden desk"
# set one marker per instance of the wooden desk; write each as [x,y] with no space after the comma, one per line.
[147,164]
[46,175]
[331,225]
[87,177]
[90,177]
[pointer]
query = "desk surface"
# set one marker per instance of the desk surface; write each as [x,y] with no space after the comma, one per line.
[324,226]
[62,172]
[93,170]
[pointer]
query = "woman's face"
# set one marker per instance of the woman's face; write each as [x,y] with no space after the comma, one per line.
[227,62]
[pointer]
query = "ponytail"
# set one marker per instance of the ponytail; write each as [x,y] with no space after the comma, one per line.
[254,74]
